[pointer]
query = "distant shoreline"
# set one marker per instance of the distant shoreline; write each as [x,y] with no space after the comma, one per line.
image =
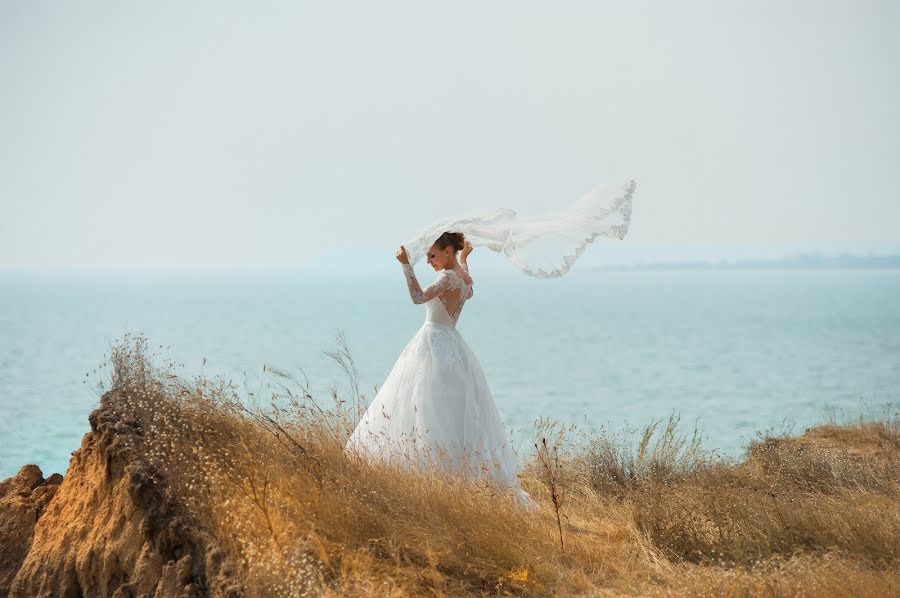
[801,262]
[494,264]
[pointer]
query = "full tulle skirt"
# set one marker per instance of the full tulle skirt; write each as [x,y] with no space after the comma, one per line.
[435,409]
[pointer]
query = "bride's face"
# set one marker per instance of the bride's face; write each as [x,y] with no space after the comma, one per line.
[437,257]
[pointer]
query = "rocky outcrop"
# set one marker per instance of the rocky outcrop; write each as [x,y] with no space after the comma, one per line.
[105,529]
[22,500]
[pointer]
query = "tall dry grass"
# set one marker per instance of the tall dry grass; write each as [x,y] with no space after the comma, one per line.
[652,513]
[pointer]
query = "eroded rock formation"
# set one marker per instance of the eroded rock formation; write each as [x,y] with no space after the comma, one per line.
[105,529]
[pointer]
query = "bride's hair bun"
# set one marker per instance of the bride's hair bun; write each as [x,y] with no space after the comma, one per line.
[456,240]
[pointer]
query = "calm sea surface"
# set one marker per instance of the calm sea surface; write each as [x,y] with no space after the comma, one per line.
[740,351]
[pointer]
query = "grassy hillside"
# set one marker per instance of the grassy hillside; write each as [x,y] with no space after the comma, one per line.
[814,514]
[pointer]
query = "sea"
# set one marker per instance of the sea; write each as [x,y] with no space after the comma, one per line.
[732,353]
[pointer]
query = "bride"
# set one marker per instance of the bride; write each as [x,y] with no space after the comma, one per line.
[435,407]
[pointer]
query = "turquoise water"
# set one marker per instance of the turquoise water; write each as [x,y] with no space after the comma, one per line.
[740,350]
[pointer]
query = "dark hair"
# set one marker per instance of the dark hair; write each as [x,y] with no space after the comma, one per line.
[457,240]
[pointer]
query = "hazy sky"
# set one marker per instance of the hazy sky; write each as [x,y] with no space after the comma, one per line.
[266,133]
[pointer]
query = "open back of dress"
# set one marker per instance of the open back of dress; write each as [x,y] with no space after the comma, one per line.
[451,301]
[444,298]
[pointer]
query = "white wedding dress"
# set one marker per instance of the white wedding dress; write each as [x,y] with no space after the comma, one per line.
[435,407]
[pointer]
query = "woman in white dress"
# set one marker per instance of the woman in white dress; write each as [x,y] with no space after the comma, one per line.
[435,407]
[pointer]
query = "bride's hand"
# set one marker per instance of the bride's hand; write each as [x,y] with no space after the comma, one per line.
[467,248]
[401,255]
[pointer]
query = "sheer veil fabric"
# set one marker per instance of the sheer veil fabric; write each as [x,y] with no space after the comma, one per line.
[544,246]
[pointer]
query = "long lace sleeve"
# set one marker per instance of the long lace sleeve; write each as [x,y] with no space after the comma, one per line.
[419,295]
[465,266]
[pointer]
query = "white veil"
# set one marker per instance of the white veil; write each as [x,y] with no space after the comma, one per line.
[543,246]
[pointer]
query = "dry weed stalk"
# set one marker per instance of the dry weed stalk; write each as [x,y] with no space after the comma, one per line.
[551,470]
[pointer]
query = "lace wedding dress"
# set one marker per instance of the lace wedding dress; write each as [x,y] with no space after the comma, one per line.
[435,407]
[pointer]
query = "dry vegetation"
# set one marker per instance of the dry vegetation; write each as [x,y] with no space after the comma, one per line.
[650,514]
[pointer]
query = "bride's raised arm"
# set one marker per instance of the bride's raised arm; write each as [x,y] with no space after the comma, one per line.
[464,255]
[463,261]
[419,295]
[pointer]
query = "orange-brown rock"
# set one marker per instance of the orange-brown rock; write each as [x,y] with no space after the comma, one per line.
[105,529]
[22,500]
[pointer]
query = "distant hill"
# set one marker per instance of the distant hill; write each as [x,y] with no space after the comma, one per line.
[608,256]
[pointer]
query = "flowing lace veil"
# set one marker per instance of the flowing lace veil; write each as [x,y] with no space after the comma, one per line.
[544,246]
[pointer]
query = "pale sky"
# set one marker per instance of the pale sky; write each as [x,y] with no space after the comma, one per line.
[264,133]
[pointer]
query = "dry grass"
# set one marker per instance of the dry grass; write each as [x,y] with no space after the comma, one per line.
[816,514]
